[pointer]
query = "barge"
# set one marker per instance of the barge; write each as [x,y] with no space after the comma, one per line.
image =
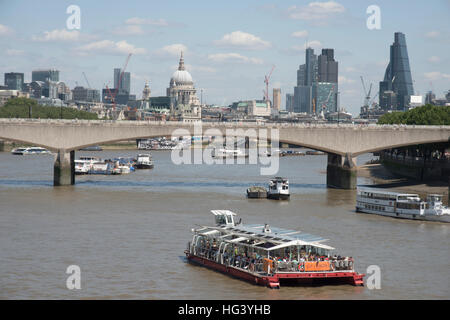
[268,256]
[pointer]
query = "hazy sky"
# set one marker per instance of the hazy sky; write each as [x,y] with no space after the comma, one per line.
[228,45]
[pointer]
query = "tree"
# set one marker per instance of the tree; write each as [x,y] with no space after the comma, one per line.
[425,115]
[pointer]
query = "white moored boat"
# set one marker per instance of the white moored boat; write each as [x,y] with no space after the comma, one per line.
[229,153]
[401,205]
[144,161]
[278,189]
[31,150]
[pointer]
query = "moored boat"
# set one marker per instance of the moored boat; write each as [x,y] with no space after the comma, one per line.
[84,164]
[229,153]
[267,255]
[278,189]
[401,205]
[144,161]
[30,150]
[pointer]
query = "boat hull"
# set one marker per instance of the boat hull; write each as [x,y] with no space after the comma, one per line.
[144,166]
[278,196]
[257,194]
[426,217]
[285,278]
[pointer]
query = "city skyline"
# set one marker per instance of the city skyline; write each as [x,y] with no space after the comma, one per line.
[228,54]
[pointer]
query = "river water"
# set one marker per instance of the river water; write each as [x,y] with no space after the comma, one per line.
[128,233]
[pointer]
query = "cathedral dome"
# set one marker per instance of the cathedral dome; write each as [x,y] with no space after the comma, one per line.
[181,76]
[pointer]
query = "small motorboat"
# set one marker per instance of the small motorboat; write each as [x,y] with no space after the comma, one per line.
[144,161]
[278,189]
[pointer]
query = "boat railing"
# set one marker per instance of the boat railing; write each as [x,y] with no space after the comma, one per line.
[268,266]
[313,266]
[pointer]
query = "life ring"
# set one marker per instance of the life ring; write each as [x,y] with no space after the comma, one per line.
[301,267]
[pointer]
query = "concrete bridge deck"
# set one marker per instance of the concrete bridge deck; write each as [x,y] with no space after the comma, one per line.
[342,142]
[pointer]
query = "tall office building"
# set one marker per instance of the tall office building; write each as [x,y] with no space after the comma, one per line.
[301,75]
[289,102]
[397,77]
[327,67]
[317,83]
[45,75]
[125,84]
[310,67]
[276,99]
[14,81]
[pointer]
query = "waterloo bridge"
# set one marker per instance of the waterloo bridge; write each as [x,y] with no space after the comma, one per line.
[342,142]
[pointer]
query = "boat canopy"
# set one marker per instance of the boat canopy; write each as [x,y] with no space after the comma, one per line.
[223,212]
[276,238]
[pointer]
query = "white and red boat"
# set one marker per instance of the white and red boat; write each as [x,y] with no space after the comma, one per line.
[268,256]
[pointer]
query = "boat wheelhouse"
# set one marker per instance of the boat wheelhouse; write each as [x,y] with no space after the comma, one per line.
[401,205]
[278,189]
[267,255]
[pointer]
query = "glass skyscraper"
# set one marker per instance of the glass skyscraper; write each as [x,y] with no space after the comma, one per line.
[125,84]
[397,77]
[317,83]
[14,81]
[45,75]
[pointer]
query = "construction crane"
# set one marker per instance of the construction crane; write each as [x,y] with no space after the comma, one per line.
[85,78]
[113,95]
[266,81]
[371,101]
[367,94]
[324,105]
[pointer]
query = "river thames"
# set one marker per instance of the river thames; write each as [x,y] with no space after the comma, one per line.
[127,233]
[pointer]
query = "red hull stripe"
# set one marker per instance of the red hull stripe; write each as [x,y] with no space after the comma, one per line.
[273,281]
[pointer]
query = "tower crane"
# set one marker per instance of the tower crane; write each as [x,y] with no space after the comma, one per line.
[266,81]
[367,94]
[85,78]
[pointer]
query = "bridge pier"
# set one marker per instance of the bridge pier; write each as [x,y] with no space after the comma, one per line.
[64,168]
[341,171]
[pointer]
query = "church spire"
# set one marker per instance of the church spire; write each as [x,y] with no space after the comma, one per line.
[181,65]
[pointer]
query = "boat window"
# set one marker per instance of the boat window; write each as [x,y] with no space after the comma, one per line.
[220,219]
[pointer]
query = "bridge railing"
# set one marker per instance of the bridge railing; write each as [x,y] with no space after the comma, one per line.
[213,124]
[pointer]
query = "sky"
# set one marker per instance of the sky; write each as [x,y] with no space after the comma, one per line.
[229,46]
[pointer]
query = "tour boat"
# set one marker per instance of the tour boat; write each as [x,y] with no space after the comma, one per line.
[92,148]
[267,255]
[31,150]
[401,205]
[278,189]
[144,161]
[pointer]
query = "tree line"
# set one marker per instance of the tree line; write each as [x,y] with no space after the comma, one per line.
[424,115]
[29,108]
